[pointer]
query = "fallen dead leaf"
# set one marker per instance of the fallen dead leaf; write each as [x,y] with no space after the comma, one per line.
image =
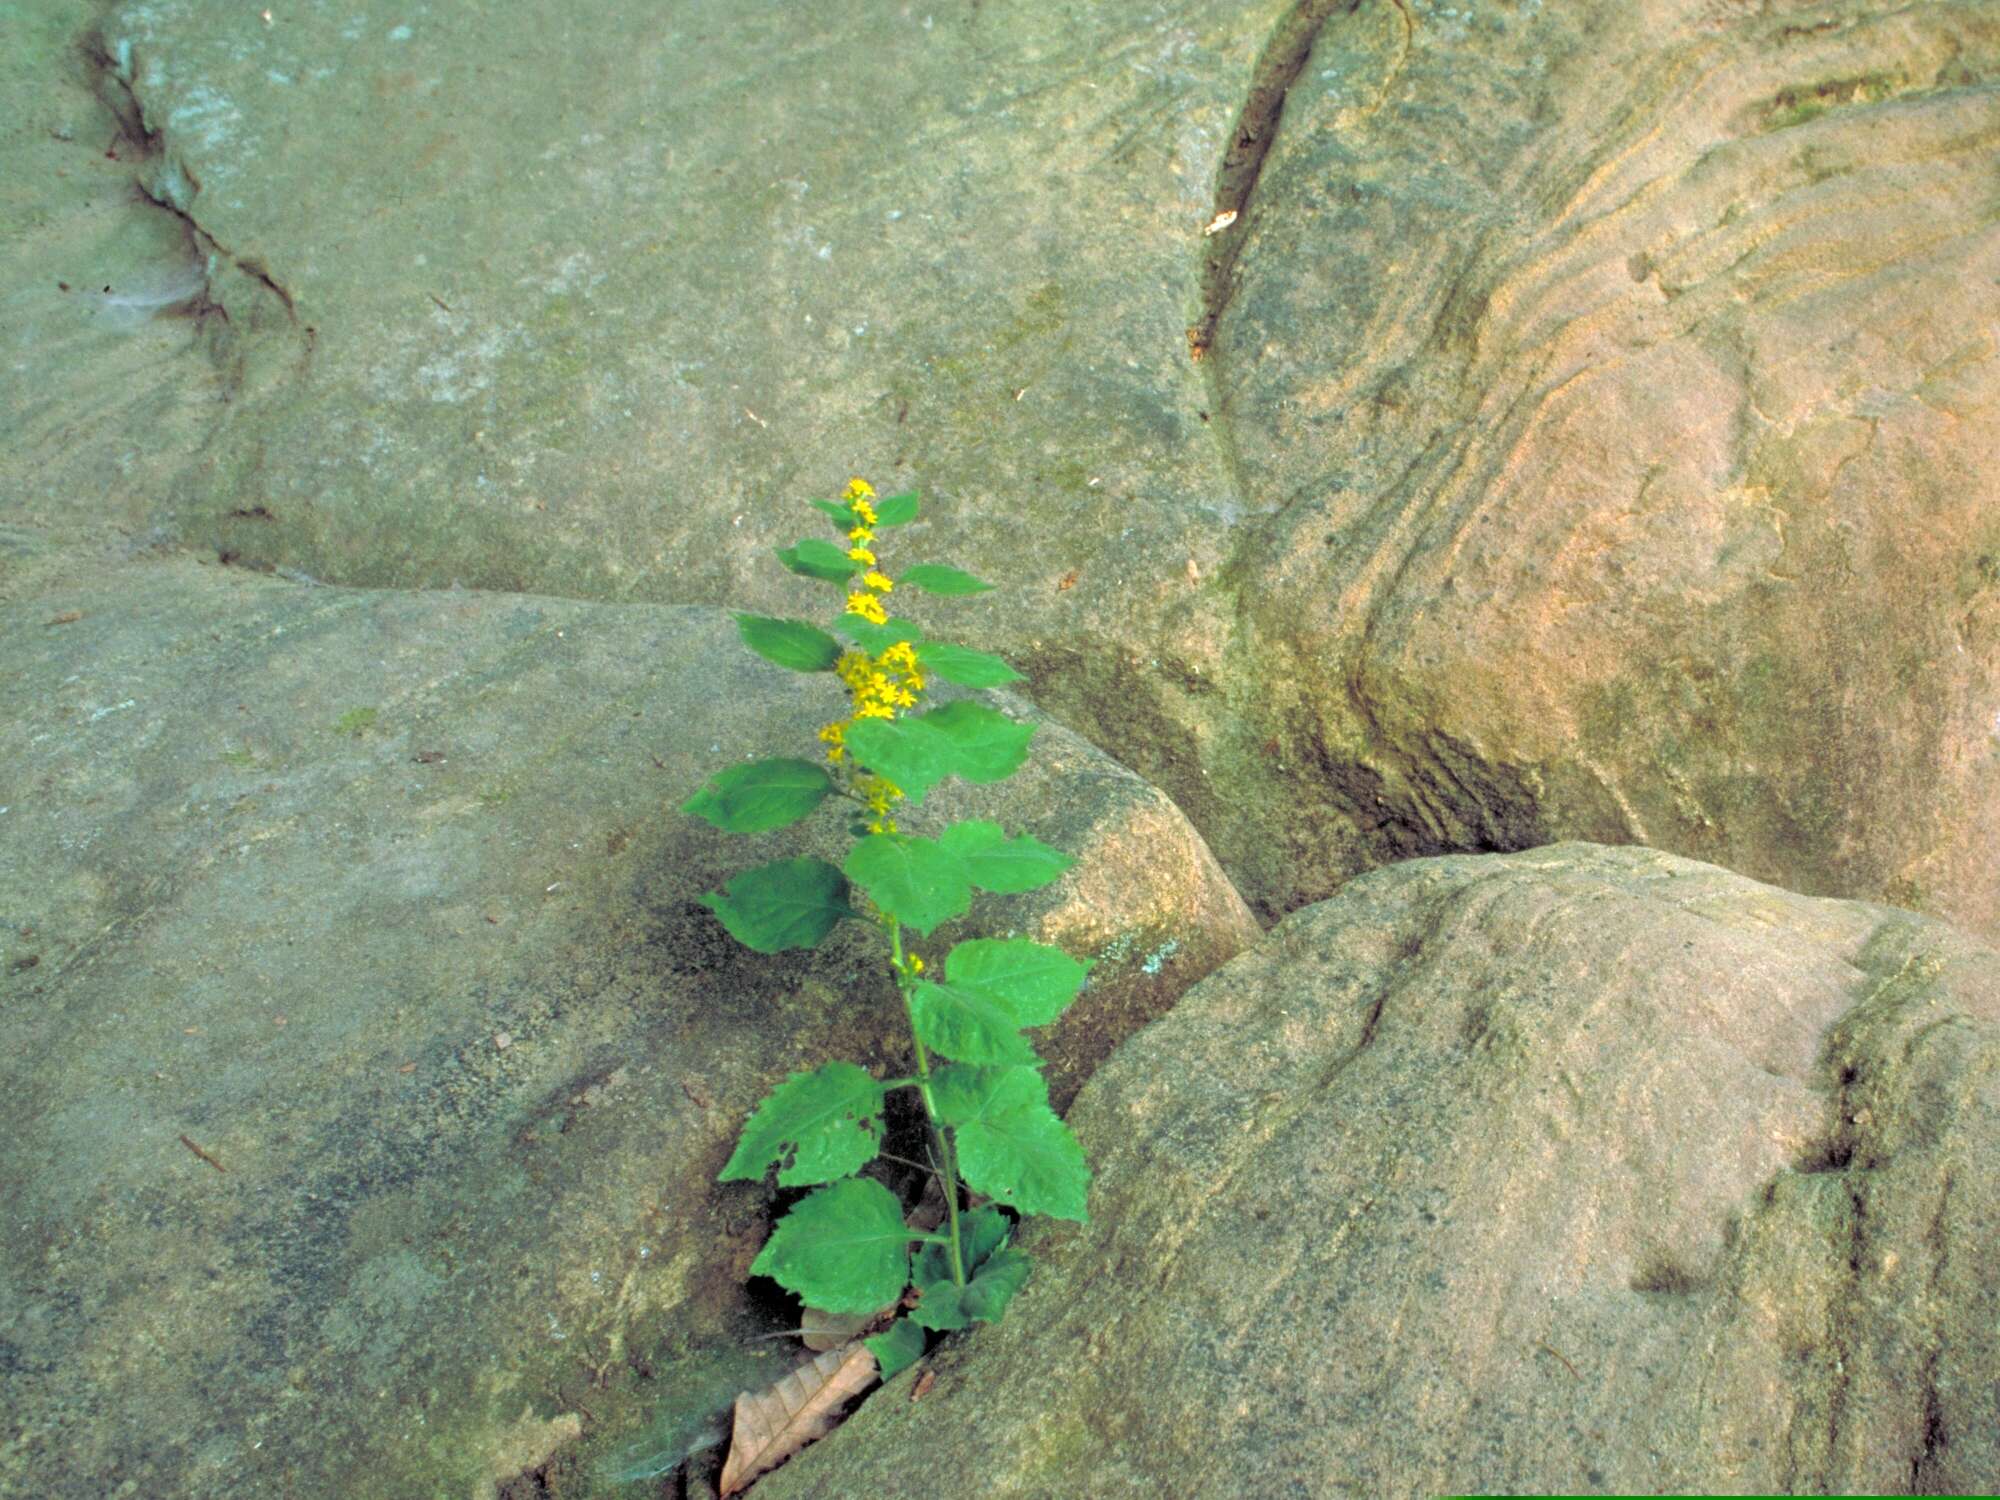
[1219,223]
[771,1425]
[923,1386]
[67,617]
[821,1330]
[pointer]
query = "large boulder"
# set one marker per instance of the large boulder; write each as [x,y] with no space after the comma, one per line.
[1592,437]
[1614,389]
[368,1059]
[1577,1170]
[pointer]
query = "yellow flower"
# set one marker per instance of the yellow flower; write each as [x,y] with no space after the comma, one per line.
[865,511]
[860,536]
[861,555]
[859,489]
[868,607]
[916,964]
[880,582]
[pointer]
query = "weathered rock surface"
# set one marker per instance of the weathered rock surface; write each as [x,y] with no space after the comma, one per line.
[367,1060]
[1617,386]
[1575,1170]
[1595,436]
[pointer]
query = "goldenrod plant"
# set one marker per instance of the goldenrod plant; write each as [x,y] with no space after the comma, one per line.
[996,1147]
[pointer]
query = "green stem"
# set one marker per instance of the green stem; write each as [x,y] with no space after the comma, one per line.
[923,1082]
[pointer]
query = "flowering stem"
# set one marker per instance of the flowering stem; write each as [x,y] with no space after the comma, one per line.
[949,1174]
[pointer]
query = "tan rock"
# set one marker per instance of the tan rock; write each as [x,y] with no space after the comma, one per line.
[1576,1170]
[1616,386]
[357,1096]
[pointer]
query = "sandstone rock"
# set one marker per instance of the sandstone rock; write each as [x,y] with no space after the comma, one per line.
[1615,389]
[281,866]
[1593,438]
[1578,1170]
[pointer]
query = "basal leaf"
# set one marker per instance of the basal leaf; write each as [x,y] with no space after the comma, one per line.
[843,515]
[844,1248]
[792,903]
[965,666]
[896,510]
[1011,1145]
[817,1126]
[991,746]
[763,795]
[944,1305]
[987,1296]
[938,1306]
[873,638]
[814,558]
[913,753]
[980,1233]
[789,643]
[940,578]
[915,880]
[1036,981]
[968,1025]
[897,1347]
[998,863]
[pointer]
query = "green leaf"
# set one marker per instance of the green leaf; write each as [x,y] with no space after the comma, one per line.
[913,753]
[980,1233]
[991,746]
[897,1347]
[843,1248]
[896,510]
[843,515]
[913,879]
[817,559]
[1000,864]
[1011,1146]
[965,666]
[763,795]
[943,1305]
[968,1025]
[873,638]
[994,1287]
[792,903]
[938,1307]
[940,578]
[819,1126]
[1037,982]
[789,643]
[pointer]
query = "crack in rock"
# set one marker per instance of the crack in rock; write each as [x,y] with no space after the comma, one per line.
[167,183]
[1290,44]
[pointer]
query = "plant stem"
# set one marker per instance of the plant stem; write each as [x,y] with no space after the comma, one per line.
[949,1176]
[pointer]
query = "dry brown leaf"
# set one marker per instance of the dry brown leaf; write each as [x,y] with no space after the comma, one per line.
[771,1425]
[821,1330]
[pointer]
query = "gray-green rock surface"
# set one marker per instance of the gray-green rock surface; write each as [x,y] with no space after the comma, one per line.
[1579,1170]
[1593,437]
[367,1058]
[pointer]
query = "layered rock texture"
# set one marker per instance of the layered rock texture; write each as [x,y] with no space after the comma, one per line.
[1401,428]
[369,1058]
[1580,1170]
[1593,435]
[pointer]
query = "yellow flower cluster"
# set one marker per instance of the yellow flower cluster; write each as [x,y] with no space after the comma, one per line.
[880,686]
[867,600]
